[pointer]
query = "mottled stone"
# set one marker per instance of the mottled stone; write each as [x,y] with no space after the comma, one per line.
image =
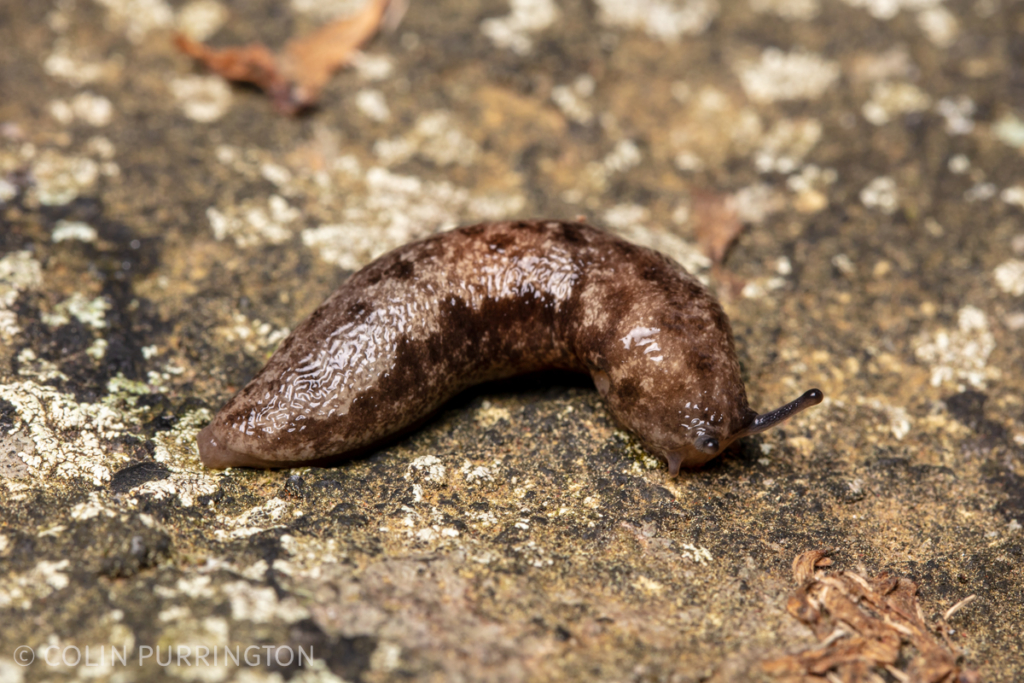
[162,231]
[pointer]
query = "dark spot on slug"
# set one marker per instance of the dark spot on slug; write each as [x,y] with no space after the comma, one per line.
[400,270]
[486,302]
[501,242]
[705,363]
[628,389]
[572,233]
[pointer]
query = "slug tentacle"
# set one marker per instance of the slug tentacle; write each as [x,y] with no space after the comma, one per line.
[768,420]
[429,319]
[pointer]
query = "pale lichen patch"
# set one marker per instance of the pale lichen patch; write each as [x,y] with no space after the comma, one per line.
[92,109]
[887,9]
[123,394]
[60,179]
[1009,277]
[665,19]
[325,10]
[19,272]
[573,100]
[372,103]
[200,19]
[435,137]
[78,231]
[40,369]
[882,194]
[260,604]
[255,520]
[204,99]
[898,421]
[428,467]
[961,354]
[959,113]
[372,67]
[514,31]
[68,435]
[14,448]
[1010,130]
[92,508]
[811,188]
[628,221]
[136,18]
[21,589]
[793,10]
[783,148]
[625,156]
[890,100]
[249,224]
[396,209]
[780,76]
[69,64]
[177,446]
[255,336]
[90,312]
[939,26]
[754,203]
[489,415]
[476,473]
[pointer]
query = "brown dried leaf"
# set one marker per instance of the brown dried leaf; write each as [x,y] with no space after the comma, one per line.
[294,79]
[903,601]
[856,672]
[717,224]
[841,652]
[805,563]
[863,624]
[785,665]
[932,666]
[309,62]
[799,606]
[253,63]
[842,608]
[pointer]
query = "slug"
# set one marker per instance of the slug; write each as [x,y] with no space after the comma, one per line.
[429,319]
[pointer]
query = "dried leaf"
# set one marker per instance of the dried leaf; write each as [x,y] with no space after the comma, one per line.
[863,625]
[799,606]
[250,64]
[717,224]
[309,62]
[805,563]
[294,78]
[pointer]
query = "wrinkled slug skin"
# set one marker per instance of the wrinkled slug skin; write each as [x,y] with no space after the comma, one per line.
[424,322]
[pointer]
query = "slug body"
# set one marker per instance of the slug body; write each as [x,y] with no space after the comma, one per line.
[425,321]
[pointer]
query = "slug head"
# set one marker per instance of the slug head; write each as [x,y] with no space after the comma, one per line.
[706,441]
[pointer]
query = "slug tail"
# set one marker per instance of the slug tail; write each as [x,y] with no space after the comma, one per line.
[217,456]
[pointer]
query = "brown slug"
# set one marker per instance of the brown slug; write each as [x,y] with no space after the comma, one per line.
[429,319]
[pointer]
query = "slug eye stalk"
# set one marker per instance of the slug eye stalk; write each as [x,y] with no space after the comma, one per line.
[768,420]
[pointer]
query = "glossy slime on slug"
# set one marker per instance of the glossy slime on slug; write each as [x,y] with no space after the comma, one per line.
[429,319]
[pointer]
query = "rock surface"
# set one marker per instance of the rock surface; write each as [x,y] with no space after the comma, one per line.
[161,230]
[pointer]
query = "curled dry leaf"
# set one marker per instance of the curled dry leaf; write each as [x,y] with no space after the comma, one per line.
[866,627]
[717,224]
[805,564]
[294,78]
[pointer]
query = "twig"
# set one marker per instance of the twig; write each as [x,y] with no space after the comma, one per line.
[959,606]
